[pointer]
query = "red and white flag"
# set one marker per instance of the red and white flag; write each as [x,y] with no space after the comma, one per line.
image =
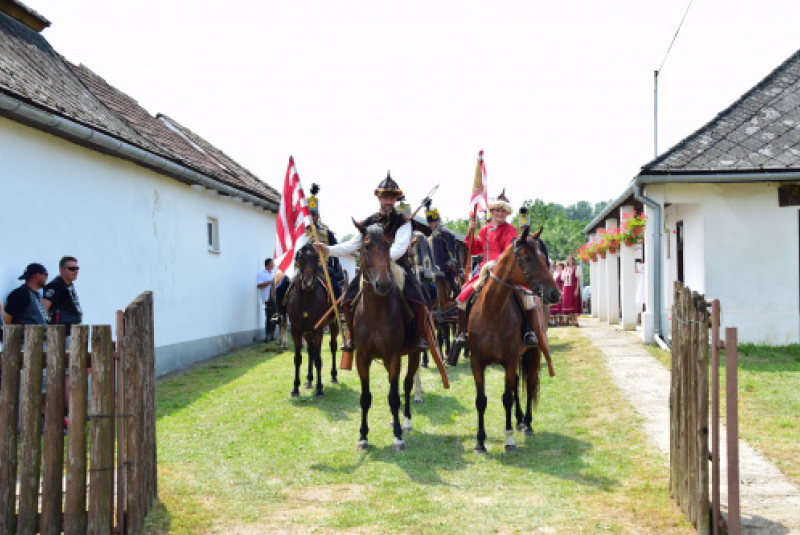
[479,201]
[292,220]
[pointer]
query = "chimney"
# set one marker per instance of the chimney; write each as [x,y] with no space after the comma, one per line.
[19,11]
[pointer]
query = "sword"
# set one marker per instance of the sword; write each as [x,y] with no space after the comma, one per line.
[428,197]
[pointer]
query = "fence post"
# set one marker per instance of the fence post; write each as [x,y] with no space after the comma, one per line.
[732,423]
[75,520]
[31,429]
[121,409]
[701,460]
[133,404]
[10,365]
[715,343]
[102,431]
[53,459]
[674,397]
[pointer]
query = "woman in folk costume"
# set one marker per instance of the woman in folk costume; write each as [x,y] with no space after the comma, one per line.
[571,295]
[492,240]
[555,310]
[401,228]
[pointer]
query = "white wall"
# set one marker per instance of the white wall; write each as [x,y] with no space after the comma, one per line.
[741,248]
[132,230]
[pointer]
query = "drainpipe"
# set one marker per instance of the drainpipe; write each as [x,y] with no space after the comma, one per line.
[94,139]
[656,261]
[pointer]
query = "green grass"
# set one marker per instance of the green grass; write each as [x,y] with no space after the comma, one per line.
[769,401]
[237,454]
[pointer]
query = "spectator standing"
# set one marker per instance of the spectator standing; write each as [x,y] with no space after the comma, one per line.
[24,304]
[60,296]
[265,280]
[571,296]
[555,310]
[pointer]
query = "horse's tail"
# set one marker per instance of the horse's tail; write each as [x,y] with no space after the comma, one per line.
[529,367]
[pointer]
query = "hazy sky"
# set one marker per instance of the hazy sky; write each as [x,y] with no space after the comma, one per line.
[559,95]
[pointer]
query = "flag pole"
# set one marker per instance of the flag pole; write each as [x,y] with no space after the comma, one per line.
[327,278]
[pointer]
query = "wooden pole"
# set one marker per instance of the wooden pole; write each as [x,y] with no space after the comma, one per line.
[10,364]
[732,423]
[327,278]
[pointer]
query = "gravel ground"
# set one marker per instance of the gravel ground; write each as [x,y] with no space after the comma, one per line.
[770,503]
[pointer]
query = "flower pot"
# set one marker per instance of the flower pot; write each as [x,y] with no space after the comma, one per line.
[630,243]
[637,231]
[612,249]
[593,257]
[603,255]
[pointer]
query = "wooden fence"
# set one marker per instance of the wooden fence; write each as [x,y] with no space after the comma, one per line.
[689,412]
[102,481]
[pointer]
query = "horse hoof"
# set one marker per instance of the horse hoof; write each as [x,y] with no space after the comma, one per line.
[479,448]
[320,395]
[521,427]
[528,431]
[307,385]
[510,448]
[362,445]
[398,445]
[295,394]
[424,364]
[417,400]
[334,381]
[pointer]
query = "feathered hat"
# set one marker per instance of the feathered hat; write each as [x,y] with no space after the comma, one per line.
[388,187]
[313,202]
[431,214]
[502,203]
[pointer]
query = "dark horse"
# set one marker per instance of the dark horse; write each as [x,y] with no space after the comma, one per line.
[380,331]
[307,302]
[494,332]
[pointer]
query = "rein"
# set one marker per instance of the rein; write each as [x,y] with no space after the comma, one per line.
[538,289]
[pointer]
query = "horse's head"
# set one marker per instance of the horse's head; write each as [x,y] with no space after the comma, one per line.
[532,269]
[375,260]
[307,264]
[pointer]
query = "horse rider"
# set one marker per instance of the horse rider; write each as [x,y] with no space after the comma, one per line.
[326,236]
[492,240]
[445,252]
[420,258]
[395,223]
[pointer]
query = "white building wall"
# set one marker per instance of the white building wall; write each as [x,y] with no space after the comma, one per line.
[133,230]
[740,248]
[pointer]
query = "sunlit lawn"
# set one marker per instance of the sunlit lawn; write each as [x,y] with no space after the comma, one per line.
[769,401]
[237,454]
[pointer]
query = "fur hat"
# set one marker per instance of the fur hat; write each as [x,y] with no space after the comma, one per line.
[502,203]
[388,187]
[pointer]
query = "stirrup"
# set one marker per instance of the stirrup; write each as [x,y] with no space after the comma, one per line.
[422,344]
[347,344]
[461,339]
[530,339]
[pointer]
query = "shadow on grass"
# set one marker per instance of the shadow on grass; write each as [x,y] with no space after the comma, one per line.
[186,386]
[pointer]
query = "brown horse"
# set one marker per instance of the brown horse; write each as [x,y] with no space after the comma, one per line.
[306,304]
[495,332]
[380,331]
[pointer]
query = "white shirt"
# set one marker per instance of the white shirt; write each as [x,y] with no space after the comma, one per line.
[262,277]
[402,239]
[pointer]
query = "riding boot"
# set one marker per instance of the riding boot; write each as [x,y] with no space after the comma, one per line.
[347,339]
[419,317]
[461,338]
[529,338]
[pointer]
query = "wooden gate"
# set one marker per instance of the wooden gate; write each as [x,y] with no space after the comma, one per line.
[107,482]
[689,412]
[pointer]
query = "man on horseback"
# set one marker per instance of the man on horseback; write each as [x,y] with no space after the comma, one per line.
[492,240]
[327,237]
[400,227]
[445,253]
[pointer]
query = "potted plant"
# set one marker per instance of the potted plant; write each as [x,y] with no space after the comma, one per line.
[633,224]
[611,239]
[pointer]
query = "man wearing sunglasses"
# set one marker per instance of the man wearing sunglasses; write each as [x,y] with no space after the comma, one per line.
[61,298]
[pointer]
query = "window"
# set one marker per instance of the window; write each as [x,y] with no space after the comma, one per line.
[213,235]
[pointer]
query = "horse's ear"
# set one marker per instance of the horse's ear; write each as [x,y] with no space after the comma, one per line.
[524,237]
[361,228]
[538,233]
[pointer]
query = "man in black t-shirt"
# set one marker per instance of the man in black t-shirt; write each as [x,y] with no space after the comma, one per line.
[61,298]
[23,305]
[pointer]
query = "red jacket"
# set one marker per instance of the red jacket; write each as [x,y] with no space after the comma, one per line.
[500,236]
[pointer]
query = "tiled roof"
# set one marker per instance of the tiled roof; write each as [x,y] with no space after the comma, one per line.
[758,133]
[31,71]
[174,144]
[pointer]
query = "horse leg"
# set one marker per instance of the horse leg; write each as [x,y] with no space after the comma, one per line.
[298,360]
[284,332]
[309,350]
[392,364]
[480,405]
[533,388]
[333,346]
[317,339]
[412,378]
[508,404]
[518,408]
[366,401]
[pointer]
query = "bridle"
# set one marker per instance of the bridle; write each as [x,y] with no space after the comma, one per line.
[538,289]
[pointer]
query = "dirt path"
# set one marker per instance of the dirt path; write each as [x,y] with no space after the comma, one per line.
[770,503]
